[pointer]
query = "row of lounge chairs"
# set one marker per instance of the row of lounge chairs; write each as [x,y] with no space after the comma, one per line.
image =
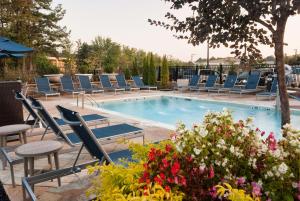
[89,141]
[37,112]
[231,88]
[67,85]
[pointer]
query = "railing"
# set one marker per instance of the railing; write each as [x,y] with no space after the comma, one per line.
[87,97]
[186,72]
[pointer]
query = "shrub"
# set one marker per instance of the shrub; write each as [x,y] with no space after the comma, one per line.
[121,182]
[152,71]
[135,70]
[198,161]
[164,73]
[44,66]
[145,70]
[127,74]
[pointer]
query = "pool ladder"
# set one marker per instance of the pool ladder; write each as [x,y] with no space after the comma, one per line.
[86,97]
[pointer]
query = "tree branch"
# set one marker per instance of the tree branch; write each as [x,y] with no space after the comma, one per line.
[268,26]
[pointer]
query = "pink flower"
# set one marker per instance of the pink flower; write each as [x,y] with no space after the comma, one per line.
[213,192]
[256,189]
[271,141]
[241,180]
[262,133]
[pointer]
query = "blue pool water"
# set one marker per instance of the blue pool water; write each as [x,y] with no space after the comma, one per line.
[171,110]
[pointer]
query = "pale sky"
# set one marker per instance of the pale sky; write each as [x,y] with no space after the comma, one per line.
[125,21]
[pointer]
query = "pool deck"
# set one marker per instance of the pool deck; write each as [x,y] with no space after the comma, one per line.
[74,186]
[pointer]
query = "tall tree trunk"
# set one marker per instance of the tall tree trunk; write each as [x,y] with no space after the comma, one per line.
[279,54]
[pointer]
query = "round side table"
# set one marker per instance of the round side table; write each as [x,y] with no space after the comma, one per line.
[11,130]
[39,149]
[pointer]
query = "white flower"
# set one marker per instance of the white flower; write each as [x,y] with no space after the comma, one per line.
[179,148]
[197,151]
[295,185]
[221,142]
[224,162]
[270,174]
[203,132]
[276,153]
[231,149]
[282,168]
[264,148]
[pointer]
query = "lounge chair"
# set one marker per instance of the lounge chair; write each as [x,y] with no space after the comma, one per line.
[194,82]
[228,84]
[210,83]
[43,87]
[104,134]
[85,84]
[68,86]
[250,87]
[106,84]
[272,93]
[31,112]
[122,83]
[91,144]
[140,84]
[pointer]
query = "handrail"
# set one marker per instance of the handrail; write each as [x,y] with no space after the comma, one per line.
[86,97]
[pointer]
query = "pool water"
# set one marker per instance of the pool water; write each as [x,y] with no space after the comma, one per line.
[171,110]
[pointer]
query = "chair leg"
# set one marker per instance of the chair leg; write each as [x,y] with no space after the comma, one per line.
[12,173]
[56,161]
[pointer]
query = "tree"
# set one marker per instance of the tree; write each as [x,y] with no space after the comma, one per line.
[69,58]
[105,54]
[145,70]
[33,23]
[82,57]
[135,70]
[164,73]
[242,24]
[152,71]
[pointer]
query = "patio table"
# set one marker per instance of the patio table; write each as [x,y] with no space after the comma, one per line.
[39,149]
[13,129]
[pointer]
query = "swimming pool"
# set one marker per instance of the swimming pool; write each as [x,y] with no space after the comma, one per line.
[168,110]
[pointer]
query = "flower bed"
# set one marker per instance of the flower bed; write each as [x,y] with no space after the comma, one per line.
[218,159]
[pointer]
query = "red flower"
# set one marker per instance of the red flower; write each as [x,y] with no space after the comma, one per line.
[175,168]
[189,158]
[170,180]
[168,148]
[146,191]
[183,181]
[165,162]
[151,154]
[167,188]
[211,173]
[158,180]
[162,176]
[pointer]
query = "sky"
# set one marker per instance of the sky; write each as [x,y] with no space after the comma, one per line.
[125,22]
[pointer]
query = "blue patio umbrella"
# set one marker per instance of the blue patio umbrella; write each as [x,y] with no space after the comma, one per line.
[10,47]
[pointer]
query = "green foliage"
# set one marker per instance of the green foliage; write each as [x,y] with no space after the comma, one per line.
[292,60]
[127,74]
[146,70]
[121,182]
[33,23]
[44,66]
[241,19]
[152,71]
[135,70]
[164,73]
[82,57]
[105,54]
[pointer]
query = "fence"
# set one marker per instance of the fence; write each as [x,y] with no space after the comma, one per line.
[186,72]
